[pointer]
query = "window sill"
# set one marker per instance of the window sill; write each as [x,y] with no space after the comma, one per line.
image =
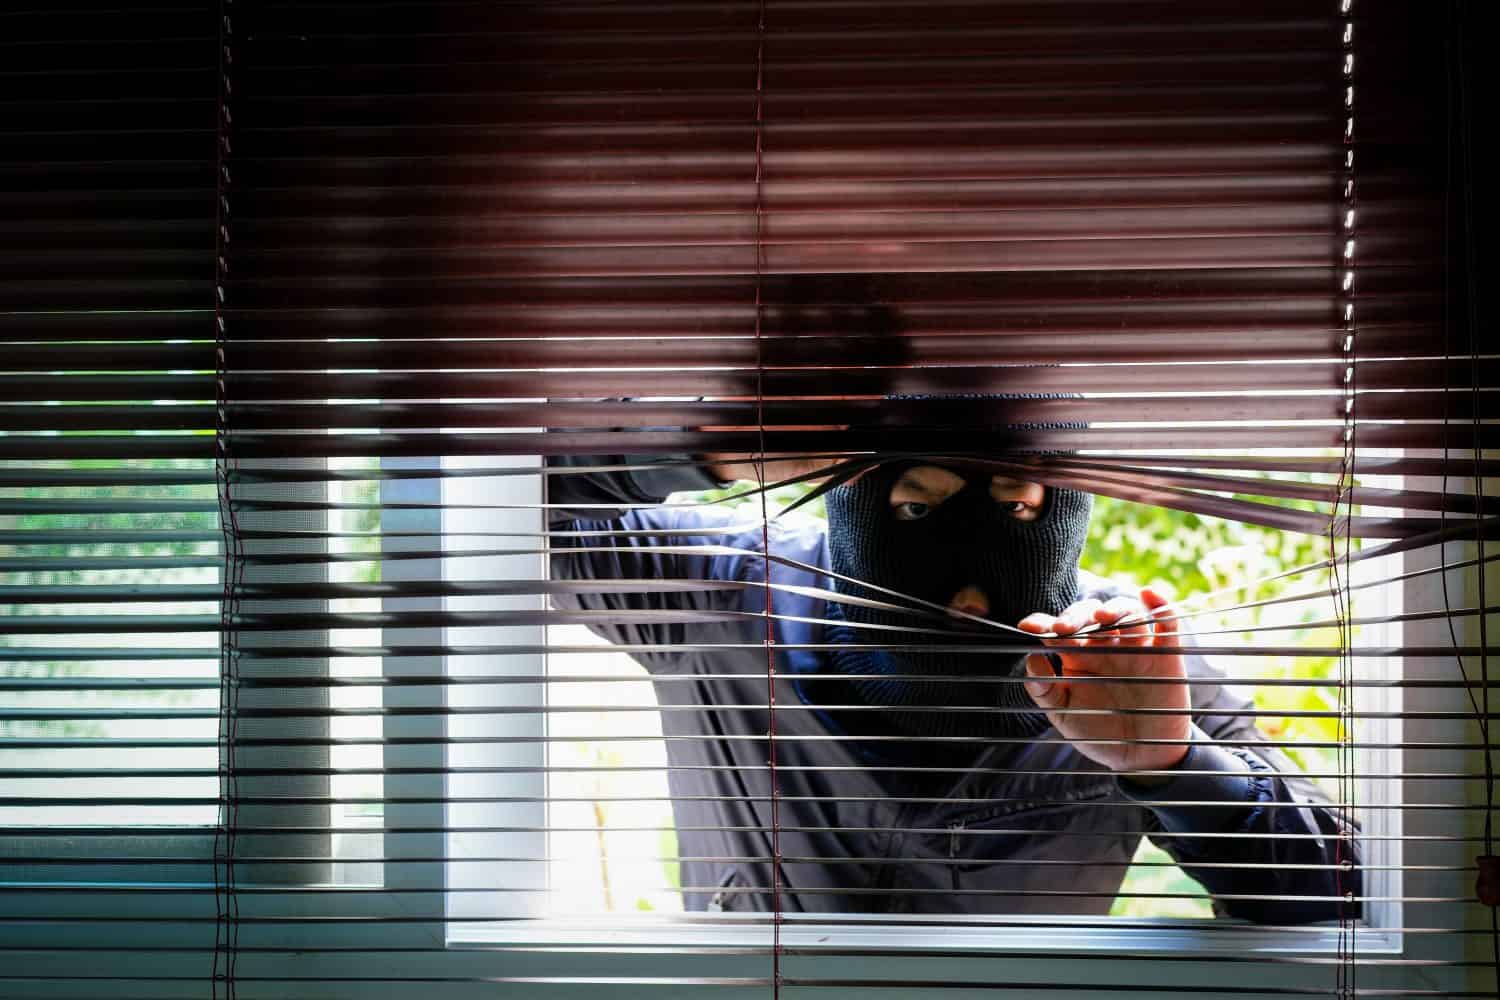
[918,934]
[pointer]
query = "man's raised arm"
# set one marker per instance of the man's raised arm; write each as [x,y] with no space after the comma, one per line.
[1262,838]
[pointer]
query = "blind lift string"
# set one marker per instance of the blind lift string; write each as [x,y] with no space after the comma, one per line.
[1347,969]
[232,562]
[765,523]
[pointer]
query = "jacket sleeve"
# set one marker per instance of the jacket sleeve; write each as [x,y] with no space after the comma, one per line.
[584,487]
[1257,809]
[667,576]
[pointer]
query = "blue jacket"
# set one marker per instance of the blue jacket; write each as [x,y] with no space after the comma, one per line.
[1028,827]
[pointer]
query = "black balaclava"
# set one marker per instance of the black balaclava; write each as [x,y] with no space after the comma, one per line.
[1022,566]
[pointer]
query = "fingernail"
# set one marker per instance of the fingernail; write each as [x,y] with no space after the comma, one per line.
[1038,689]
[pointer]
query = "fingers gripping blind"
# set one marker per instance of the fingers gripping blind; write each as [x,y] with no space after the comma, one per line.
[351,354]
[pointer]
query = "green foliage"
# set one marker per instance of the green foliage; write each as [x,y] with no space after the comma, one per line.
[1154,887]
[85,522]
[1139,544]
[363,517]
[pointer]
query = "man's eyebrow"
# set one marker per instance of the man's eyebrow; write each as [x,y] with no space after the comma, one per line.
[910,481]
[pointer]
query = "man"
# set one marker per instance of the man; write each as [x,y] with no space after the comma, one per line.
[940,776]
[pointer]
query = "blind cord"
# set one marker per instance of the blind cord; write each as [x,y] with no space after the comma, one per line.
[1346,977]
[765,522]
[226,903]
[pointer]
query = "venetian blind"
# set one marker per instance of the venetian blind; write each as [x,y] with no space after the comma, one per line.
[303,298]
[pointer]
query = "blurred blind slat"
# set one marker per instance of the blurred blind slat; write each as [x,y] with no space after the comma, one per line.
[496,206]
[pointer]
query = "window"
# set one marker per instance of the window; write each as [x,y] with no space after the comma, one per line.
[603,816]
[110,668]
[81,687]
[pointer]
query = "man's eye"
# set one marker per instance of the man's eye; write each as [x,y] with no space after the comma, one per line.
[1020,510]
[911,510]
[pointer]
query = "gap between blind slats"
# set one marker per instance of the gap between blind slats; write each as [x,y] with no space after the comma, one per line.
[1325,434]
[1458,468]
[394,417]
[829,355]
[255,741]
[1418,372]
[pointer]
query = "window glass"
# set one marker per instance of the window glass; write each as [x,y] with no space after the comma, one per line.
[146,685]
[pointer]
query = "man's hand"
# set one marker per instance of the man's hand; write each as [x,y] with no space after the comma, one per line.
[1141,624]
